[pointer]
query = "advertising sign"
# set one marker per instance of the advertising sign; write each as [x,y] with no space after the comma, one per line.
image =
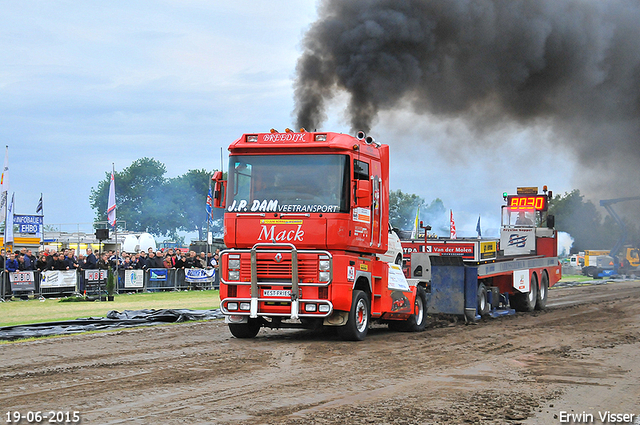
[22,281]
[198,275]
[94,280]
[158,275]
[134,279]
[58,279]
[28,223]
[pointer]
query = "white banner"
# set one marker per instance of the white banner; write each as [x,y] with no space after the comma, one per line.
[397,281]
[198,275]
[58,278]
[134,279]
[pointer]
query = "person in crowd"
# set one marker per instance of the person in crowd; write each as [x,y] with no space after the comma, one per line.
[202,259]
[70,261]
[211,262]
[12,265]
[151,260]
[179,261]
[91,262]
[32,258]
[24,260]
[216,275]
[134,260]
[159,260]
[127,263]
[170,260]
[190,260]
[103,262]
[142,261]
[41,264]
[82,262]
[50,261]
[20,258]
[3,259]
[58,262]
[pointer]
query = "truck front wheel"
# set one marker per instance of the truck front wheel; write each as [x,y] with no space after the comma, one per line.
[245,330]
[358,324]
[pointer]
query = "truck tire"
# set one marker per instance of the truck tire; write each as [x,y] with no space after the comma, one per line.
[526,301]
[417,322]
[245,330]
[541,302]
[359,317]
[399,260]
[483,305]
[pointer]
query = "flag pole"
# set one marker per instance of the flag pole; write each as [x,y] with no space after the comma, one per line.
[42,231]
[115,229]
[206,254]
[5,196]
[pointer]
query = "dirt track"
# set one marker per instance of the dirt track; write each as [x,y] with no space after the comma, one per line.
[579,355]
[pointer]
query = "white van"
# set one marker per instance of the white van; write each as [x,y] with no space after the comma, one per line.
[394,251]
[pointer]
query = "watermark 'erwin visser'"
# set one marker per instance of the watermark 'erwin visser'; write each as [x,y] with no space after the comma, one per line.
[605,417]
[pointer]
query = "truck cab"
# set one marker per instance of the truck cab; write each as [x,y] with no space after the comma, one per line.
[306,217]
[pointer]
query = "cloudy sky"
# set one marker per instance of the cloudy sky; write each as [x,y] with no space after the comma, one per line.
[84,85]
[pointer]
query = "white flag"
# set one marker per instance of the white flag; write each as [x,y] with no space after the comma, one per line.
[111,207]
[4,185]
[8,227]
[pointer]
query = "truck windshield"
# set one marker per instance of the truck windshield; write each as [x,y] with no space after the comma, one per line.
[288,183]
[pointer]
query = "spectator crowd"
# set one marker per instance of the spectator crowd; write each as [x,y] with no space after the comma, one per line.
[24,259]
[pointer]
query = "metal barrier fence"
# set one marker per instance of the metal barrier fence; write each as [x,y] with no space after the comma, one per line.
[56,283]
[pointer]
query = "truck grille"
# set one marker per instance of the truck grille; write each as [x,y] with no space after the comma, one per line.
[270,270]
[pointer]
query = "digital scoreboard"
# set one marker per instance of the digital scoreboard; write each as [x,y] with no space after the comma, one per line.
[527,202]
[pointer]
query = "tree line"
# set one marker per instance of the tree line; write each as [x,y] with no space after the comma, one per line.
[150,202]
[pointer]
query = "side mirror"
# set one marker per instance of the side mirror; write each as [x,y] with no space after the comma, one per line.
[219,190]
[551,221]
[363,193]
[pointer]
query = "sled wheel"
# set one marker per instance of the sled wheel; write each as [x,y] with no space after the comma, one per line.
[541,302]
[483,305]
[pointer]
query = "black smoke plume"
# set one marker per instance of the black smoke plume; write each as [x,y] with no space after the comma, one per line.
[573,64]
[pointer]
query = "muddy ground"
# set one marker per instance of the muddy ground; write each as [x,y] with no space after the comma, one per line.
[581,355]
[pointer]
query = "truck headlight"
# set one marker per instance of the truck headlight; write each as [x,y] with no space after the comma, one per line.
[245,306]
[234,264]
[324,265]
[232,306]
[234,274]
[324,276]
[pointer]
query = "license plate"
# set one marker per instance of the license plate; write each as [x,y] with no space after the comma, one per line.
[277,293]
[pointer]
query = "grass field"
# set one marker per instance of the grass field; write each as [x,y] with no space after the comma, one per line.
[575,278]
[51,310]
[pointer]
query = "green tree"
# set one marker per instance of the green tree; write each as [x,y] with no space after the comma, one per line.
[580,219]
[189,196]
[149,202]
[402,209]
[583,221]
[141,197]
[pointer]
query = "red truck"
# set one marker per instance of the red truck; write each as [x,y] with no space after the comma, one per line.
[306,214]
[306,217]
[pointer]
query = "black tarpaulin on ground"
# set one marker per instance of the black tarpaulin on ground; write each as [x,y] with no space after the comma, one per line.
[114,320]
